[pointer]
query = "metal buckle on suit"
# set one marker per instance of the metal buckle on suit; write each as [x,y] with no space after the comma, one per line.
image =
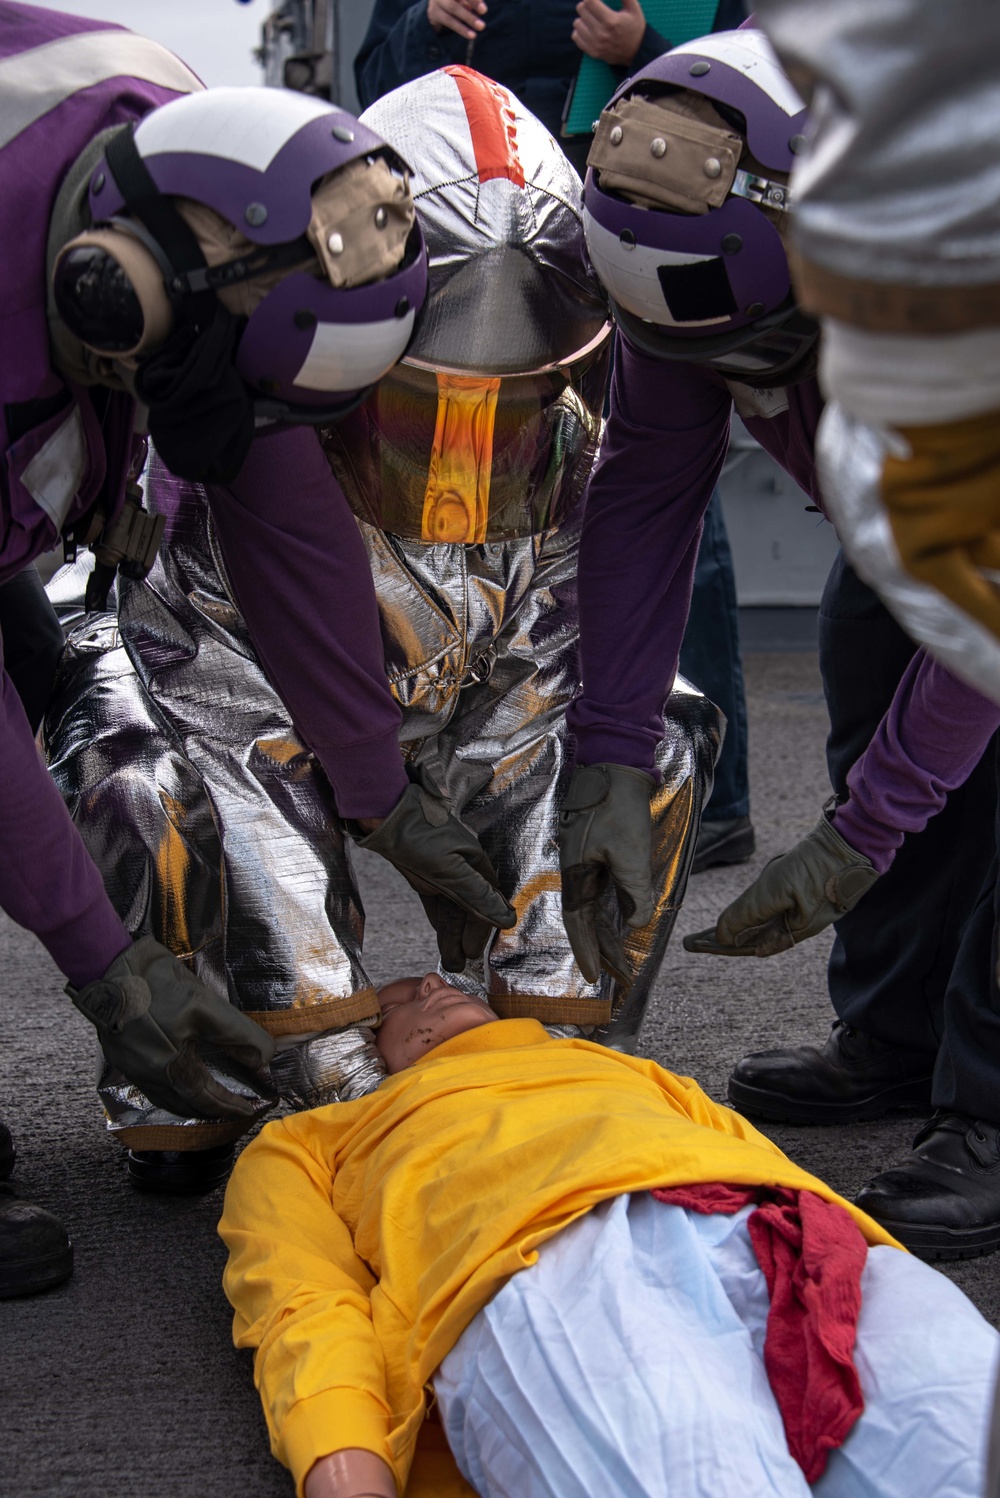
[481,669]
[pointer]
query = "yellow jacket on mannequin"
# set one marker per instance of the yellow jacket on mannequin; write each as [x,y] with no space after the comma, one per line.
[391,1221]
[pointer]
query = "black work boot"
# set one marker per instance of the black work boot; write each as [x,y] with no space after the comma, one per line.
[180,1172]
[729,841]
[854,1077]
[35,1253]
[7,1152]
[943,1200]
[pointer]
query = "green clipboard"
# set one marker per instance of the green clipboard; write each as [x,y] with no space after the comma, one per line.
[595,82]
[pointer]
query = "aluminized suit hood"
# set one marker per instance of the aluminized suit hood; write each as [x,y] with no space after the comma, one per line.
[500,207]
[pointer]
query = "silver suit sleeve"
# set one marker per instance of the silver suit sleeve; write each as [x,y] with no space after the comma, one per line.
[902,178]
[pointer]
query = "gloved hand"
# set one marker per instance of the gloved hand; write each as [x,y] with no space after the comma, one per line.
[151,1011]
[445,864]
[793,897]
[605,837]
[943,504]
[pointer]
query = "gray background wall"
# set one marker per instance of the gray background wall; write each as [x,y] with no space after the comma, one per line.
[354,18]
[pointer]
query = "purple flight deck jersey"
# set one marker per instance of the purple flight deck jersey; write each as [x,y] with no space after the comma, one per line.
[291,544]
[661,457]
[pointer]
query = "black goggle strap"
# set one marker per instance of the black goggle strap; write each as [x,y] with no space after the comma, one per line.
[254,263]
[174,236]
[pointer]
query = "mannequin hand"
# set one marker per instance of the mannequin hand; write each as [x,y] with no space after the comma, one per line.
[613,36]
[151,1011]
[605,838]
[445,864]
[354,1473]
[794,897]
[460,16]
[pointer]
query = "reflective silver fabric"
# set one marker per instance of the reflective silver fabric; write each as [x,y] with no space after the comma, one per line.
[500,206]
[215,830]
[481,651]
[849,457]
[902,180]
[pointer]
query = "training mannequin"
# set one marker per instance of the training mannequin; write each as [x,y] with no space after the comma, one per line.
[375,1249]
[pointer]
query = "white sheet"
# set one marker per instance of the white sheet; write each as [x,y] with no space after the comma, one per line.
[628,1362]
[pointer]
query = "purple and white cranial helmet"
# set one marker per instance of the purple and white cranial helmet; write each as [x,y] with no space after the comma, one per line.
[254,157]
[684,236]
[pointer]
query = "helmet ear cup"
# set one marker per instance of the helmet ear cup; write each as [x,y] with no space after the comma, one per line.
[109,292]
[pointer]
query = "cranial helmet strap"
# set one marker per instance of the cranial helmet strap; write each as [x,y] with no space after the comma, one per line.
[175,237]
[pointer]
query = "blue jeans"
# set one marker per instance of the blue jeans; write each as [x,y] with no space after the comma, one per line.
[710,659]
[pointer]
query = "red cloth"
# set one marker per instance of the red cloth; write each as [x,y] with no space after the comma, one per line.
[812,1253]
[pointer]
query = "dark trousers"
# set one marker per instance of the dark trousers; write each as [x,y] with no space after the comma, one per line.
[32,641]
[710,659]
[915,963]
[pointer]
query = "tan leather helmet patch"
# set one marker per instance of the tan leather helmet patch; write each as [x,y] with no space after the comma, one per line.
[361,220]
[661,155]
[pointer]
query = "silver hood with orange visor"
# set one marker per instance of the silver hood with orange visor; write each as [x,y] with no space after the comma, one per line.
[488,428]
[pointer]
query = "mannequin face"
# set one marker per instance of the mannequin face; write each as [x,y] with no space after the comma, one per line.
[421,1013]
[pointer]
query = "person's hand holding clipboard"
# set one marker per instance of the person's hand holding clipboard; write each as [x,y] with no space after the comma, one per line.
[610,33]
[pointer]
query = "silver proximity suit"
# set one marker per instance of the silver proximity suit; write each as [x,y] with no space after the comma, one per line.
[466,468]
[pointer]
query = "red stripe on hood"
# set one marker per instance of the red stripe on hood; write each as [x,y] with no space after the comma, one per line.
[491,124]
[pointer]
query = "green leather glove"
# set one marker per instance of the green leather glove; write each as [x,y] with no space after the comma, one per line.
[605,840]
[447,867]
[151,1012]
[795,896]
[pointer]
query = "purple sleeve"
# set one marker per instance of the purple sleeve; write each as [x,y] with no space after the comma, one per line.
[928,743]
[663,450]
[303,582]
[48,882]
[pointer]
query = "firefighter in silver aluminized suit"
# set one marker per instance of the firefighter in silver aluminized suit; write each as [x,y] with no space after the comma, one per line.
[466,469]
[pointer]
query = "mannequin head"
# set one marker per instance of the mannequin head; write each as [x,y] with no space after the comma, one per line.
[421,1013]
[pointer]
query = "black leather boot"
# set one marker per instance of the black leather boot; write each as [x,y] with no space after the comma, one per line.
[854,1077]
[943,1200]
[35,1253]
[729,841]
[180,1172]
